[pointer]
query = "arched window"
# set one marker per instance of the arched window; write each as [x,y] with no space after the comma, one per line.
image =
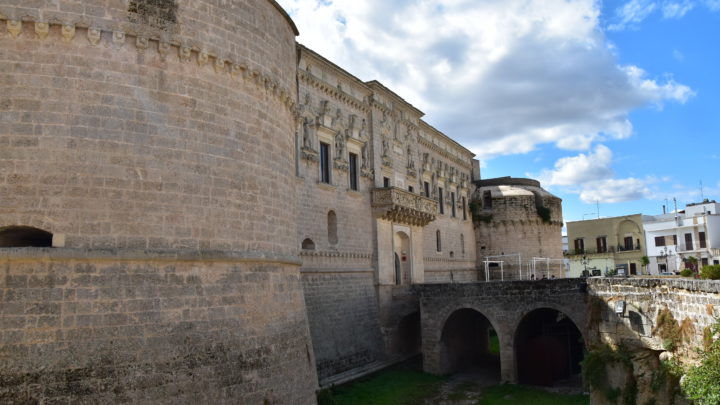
[332,228]
[438,241]
[487,200]
[308,244]
[462,244]
[24,236]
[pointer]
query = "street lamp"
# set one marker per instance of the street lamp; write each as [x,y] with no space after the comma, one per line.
[666,254]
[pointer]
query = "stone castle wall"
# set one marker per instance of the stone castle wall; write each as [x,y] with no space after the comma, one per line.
[154,140]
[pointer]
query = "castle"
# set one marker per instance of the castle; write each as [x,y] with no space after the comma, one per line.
[196,208]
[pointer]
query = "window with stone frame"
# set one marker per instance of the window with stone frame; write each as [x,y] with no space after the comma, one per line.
[441,201]
[324,163]
[353,172]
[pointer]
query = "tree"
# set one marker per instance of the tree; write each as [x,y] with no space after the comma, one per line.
[644,261]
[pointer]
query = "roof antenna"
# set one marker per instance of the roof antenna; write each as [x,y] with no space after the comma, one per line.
[702,192]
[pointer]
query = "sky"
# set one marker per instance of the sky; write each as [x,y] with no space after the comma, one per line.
[610,104]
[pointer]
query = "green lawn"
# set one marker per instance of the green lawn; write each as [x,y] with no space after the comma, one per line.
[494,343]
[392,387]
[410,387]
[519,395]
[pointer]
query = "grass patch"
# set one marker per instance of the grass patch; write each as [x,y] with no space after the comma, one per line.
[392,387]
[520,395]
[463,391]
[494,343]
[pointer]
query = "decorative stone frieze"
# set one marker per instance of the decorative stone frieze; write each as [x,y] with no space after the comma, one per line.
[94,35]
[163,47]
[68,32]
[42,29]
[402,206]
[14,27]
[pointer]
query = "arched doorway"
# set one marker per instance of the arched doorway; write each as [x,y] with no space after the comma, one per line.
[403,259]
[549,348]
[469,343]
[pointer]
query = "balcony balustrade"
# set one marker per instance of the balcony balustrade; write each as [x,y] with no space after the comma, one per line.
[397,205]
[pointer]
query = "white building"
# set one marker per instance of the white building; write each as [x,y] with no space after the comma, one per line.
[672,238]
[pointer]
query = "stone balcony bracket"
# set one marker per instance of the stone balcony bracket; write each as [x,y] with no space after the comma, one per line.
[397,205]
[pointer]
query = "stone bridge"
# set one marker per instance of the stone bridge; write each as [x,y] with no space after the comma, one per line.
[536,322]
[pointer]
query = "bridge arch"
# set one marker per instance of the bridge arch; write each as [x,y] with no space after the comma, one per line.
[548,345]
[463,337]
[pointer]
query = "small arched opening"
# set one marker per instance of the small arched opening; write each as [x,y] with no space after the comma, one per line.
[407,340]
[308,244]
[24,236]
[549,348]
[469,344]
[403,258]
[332,228]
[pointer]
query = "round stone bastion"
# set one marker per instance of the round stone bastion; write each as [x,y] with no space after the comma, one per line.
[147,234]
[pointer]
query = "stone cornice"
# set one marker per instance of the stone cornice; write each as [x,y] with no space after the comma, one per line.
[336,254]
[333,92]
[444,153]
[70,32]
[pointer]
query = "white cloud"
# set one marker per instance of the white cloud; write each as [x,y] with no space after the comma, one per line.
[616,190]
[713,5]
[592,178]
[676,9]
[631,13]
[679,56]
[499,76]
[583,168]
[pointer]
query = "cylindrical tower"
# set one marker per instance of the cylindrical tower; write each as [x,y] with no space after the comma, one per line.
[151,144]
[515,221]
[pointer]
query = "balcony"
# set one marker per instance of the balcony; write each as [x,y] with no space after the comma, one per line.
[397,205]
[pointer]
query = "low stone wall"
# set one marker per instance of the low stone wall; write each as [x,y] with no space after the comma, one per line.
[79,326]
[695,300]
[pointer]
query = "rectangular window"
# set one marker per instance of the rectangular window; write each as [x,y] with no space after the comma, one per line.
[427,189]
[353,172]
[579,246]
[688,241]
[704,261]
[464,200]
[411,189]
[452,201]
[441,201]
[628,243]
[324,163]
[674,240]
[659,241]
[703,244]
[601,243]
[386,182]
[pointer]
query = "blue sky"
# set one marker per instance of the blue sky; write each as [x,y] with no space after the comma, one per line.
[614,101]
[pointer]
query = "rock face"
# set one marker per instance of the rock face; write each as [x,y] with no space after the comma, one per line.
[655,323]
[153,139]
